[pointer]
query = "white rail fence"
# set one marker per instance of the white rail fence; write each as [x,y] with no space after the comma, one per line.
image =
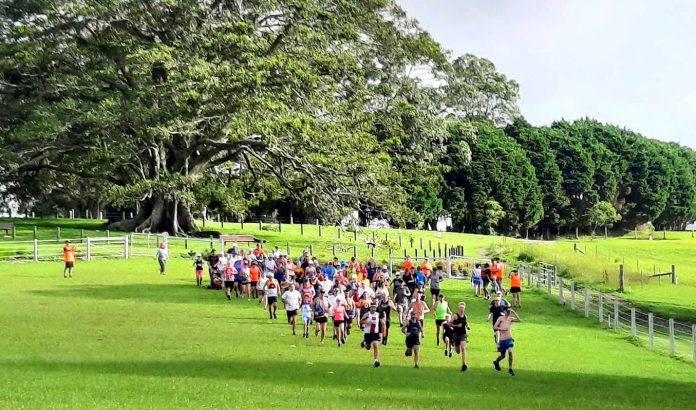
[52,249]
[664,335]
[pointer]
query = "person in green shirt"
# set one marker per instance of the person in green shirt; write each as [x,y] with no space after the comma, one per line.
[441,310]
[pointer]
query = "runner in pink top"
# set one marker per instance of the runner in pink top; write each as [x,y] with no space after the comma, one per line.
[338,312]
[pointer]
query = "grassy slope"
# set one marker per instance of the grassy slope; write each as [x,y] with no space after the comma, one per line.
[119,335]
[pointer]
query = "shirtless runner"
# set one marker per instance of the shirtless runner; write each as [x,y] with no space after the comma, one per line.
[505,340]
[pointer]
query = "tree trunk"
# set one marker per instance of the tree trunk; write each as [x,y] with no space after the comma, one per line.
[159,215]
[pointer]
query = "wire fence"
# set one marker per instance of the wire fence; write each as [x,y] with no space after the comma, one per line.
[662,334]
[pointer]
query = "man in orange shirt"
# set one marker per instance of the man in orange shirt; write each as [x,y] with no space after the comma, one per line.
[408,264]
[69,258]
[495,275]
[426,267]
[515,287]
[259,251]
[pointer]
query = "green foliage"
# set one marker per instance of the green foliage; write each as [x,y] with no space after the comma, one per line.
[602,214]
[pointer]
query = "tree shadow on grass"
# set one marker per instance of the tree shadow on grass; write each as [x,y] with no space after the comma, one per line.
[392,383]
[145,292]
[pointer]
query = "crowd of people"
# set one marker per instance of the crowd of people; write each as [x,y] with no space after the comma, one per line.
[355,296]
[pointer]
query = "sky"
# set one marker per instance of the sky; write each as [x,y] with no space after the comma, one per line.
[630,63]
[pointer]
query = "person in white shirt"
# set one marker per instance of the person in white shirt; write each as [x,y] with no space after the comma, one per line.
[162,255]
[292,298]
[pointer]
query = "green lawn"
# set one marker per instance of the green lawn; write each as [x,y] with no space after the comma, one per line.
[118,335]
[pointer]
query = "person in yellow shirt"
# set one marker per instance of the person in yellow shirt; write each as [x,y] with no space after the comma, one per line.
[515,287]
[69,258]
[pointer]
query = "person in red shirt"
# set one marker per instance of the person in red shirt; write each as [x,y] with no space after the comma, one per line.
[426,267]
[258,251]
[407,264]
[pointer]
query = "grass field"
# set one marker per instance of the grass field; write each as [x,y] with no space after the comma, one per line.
[598,264]
[118,335]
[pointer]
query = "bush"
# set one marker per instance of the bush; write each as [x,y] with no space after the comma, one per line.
[270,227]
[525,256]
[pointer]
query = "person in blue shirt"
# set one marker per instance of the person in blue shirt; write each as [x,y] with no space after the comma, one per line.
[328,271]
[420,277]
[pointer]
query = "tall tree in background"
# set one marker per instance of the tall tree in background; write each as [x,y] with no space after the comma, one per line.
[152,98]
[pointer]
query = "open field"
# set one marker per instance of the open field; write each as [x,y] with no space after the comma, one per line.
[118,335]
[599,264]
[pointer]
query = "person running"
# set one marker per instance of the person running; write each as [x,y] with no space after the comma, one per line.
[426,267]
[254,276]
[402,296]
[447,335]
[244,274]
[228,275]
[506,343]
[198,267]
[435,278]
[350,312]
[515,287]
[476,279]
[413,331]
[441,311]
[320,308]
[459,325]
[410,280]
[372,324]
[162,255]
[306,309]
[338,313]
[486,279]
[496,309]
[385,306]
[420,307]
[291,298]
[272,287]
[407,264]
[69,259]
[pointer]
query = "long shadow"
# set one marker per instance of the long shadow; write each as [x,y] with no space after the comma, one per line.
[541,388]
[146,292]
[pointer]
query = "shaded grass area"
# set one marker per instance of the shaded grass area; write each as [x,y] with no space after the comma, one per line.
[118,335]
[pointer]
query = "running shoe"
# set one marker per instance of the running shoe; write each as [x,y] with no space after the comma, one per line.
[415,366]
[464,367]
[450,353]
[496,365]
[511,372]
[376,363]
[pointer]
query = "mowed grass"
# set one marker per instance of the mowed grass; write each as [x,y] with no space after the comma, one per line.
[118,335]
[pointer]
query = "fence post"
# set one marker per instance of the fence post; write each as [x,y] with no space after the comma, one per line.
[616,314]
[211,244]
[280,226]
[89,249]
[548,284]
[671,337]
[131,243]
[572,296]
[82,235]
[186,243]
[301,228]
[259,225]
[311,250]
[391,272]
[633,322]
[674,276]
[621,278]
[529,276]
[58,232]
[554,278]
[36,250]
[560,292]
[587,302]
[538,277]
[355,251]
[14,232]
[448,261]
[36,234]
[421,243]
[600,304]
[319,226]
[399,240]
[287,248]
[125,247]
[650,330]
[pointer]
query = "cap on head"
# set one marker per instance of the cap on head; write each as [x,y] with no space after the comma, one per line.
[373,305]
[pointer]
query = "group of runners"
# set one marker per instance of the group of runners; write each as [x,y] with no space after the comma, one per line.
[352,294]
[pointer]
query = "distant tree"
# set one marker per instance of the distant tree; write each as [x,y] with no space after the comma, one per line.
[493,213]
[602,214]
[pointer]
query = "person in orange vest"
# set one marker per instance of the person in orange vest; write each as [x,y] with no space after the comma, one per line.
[426,267]
[69,258]
[407,264]
[494,275]
[515,288]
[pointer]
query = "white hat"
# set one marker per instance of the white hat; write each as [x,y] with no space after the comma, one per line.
[355,276]
[311,262]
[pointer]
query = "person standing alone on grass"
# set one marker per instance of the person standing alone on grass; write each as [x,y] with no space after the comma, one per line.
[69,259]
[162,255]
[515,288]
[198,266]
[291,299]
[506,342]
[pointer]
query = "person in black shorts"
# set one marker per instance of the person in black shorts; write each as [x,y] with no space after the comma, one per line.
[413,331]
[497,309]
[447,335]
[320,308]
[459,325]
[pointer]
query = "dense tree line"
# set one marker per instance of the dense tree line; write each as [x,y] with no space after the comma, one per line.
[310,107]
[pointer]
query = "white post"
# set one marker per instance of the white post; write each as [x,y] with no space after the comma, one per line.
[671,337]
[633,322]
[572,296]
[448,261]
[148,240]
[601,307]
[561,299]
[616,314]
[650,330]
[89,249]
[529,277]
[587,302]
[36,250]
[125,247]
[548,284]
[391,272]
[131,244]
